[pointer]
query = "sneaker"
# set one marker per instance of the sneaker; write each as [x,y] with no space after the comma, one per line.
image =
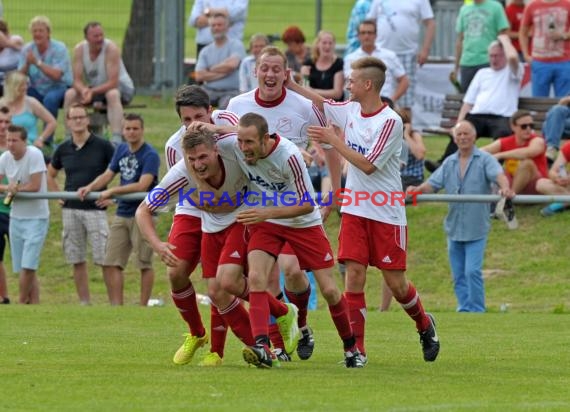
[289,328]
[211,359]
[551,153]
[281,355]
[186,352]
[354,359]
[260,356]
[430,341]
[506,212]
[552,209]
[306,344]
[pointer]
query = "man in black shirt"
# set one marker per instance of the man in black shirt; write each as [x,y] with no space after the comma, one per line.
[82,158]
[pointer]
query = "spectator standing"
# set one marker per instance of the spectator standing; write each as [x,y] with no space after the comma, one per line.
[398,24]
[137,162]
[357,16]
[202,10]
[25,169]
[100,77]
[478,24]
[324,70]
[10,51]
[297,52]
[514,12]
[218,63]
[468,171]
[247,79]
[522,153]
[397,81]
[4,209]
[549,21]
[46,62]
[82,158]
[27,110]
[556,125]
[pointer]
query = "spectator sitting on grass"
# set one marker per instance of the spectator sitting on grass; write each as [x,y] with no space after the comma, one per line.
[557,183]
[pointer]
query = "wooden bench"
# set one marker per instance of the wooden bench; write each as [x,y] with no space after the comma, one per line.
[98,116]
[538,106]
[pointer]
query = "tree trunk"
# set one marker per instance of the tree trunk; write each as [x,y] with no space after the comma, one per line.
[138,46]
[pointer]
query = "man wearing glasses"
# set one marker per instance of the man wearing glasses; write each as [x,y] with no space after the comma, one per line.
[397,81]
[523,153]
[82,158]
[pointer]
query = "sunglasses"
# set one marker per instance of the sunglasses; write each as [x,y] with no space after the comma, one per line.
[525,126]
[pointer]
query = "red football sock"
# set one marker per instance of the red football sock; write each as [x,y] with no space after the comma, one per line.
[218,331]
[339,314]
[259,314]
[185,301]
[237,319]
[276,307]
[412,304]
[356,302]
[275,336]
[301,300]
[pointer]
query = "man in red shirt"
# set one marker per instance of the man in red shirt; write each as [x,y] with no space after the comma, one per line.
[514,12]
[523,153]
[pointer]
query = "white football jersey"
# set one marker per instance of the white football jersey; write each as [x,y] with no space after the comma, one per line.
[379,137]
[279,179]
[172,189]
[173,152]
[288,116]
[235,181]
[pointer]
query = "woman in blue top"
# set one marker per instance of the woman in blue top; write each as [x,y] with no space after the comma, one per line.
[26,110]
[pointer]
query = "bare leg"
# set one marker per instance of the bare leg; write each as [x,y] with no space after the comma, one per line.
[81,282]
[113,276]
[147,281]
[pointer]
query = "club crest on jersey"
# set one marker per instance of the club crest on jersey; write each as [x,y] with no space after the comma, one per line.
[284,125]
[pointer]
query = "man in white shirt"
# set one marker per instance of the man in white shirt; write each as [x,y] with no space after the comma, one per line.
[25,168]
[399,25]
[397,81]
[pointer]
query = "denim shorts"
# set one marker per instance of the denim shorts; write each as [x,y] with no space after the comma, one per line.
[27,238]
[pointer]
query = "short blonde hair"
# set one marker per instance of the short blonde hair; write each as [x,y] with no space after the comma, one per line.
[40,20]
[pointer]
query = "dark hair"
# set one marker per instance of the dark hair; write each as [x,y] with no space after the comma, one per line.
[4,110]
[18,129]
[368,22]
[131,117]
[519,114]
[191,95]
[195,137]
[90,25]
[254,119]
[293,34]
